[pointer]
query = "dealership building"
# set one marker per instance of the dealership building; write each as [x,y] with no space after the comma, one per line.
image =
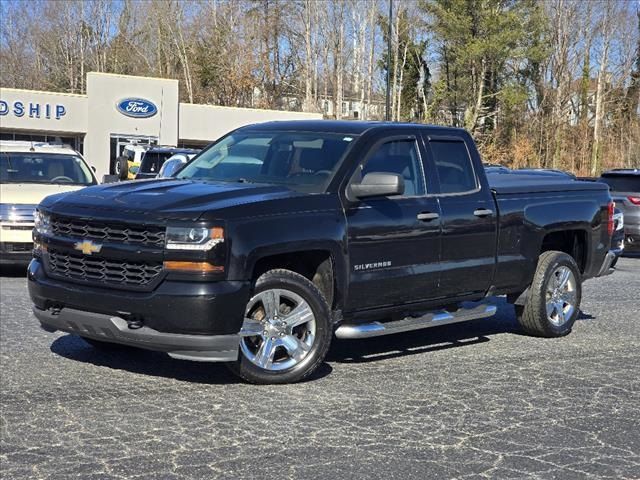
[118,110]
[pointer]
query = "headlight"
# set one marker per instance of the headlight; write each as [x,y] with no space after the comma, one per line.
[42,222]
[193,238]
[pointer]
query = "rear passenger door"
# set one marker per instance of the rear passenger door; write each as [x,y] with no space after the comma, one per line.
[469,219]
[394,242]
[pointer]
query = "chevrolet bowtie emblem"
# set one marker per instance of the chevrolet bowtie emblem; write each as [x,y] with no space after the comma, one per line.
[87,247]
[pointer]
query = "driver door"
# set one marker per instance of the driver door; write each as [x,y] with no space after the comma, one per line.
[394,242]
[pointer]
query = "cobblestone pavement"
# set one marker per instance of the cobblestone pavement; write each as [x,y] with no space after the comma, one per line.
[473,400]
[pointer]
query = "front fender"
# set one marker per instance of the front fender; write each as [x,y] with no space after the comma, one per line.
[259,237]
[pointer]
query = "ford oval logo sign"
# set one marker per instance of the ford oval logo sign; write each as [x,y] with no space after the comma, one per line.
[136,107]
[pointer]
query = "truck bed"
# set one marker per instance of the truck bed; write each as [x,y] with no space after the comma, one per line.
[514,183]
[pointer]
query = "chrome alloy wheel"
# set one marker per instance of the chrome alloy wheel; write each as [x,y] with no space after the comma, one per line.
[561,295]
[278,330]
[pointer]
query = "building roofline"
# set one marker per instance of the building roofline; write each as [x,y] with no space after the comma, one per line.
[106,74]
[24,90]
[248,108]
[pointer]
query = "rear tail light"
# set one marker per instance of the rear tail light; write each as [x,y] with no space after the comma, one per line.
[634,200]
[610,222]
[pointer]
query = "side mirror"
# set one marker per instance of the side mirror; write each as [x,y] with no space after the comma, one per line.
[378,184]
[93,167]
[170,167]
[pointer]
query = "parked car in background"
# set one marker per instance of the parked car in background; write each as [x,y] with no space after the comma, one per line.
[128,163]
[624,185]
[617,239]
[155,157]
[28,173]
[173,164]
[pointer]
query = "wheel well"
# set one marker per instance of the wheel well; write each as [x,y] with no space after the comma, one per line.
[315,265]
[571,242]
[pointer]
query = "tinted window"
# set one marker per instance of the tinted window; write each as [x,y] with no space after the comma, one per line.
[152,161]
[454,166]
[400,157]
[622,183]
[300,160]
[44,168]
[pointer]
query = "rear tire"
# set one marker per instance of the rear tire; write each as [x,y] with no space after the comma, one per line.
[288,345]
[553,303]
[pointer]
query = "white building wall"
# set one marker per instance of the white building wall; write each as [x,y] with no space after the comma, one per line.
[105,91]
[32,110]
[206,123]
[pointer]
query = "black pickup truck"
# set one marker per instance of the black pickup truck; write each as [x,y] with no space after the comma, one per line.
[281,235]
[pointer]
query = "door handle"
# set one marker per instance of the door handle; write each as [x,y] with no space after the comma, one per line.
[428,216]
[482,212]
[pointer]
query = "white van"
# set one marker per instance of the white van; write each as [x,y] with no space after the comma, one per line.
[28,173]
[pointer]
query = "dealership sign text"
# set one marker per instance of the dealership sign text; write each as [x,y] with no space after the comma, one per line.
[32,109]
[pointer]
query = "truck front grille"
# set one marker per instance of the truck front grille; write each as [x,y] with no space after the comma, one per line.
[108,232]
[101,270]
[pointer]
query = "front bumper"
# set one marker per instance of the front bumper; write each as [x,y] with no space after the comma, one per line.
[176,307]
[203,348]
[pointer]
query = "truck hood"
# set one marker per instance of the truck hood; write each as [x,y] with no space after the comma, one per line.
[31,193]
[161,200]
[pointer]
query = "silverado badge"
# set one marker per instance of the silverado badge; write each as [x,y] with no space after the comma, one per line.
[87,247]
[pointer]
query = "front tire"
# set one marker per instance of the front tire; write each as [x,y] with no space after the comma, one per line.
[554,297]
[287,330]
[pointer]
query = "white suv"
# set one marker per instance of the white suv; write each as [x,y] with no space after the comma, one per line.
[28,173]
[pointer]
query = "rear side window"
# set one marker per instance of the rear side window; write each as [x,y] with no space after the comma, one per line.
[454,166]
[622,183]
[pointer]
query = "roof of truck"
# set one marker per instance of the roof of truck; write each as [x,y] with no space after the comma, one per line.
[353,127]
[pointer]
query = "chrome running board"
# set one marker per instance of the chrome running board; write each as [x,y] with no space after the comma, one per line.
[431,319]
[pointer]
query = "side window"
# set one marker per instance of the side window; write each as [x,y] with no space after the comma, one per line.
[401,157]
[454,166]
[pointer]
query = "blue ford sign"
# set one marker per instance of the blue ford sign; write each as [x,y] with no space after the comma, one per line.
[137,108]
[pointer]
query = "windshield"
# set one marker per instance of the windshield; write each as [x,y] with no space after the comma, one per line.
[622,183]
[300,160]
[35,167]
